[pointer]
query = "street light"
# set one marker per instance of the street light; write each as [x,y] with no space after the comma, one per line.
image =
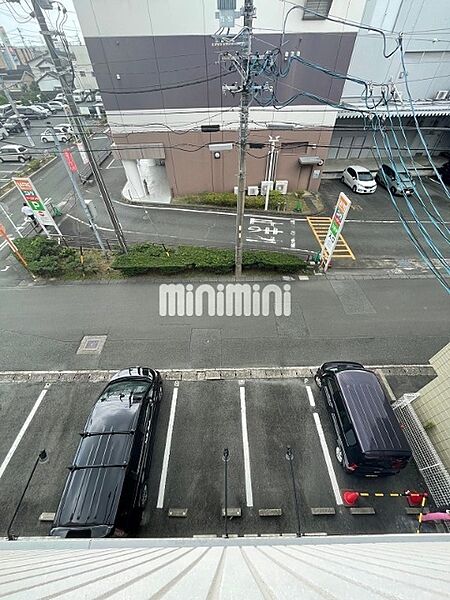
[42,458]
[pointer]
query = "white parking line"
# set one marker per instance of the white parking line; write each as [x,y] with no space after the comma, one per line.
[310,396]
[293,233]
[246,449]
[23,430]
[108,166]
[165,465]
[326,455]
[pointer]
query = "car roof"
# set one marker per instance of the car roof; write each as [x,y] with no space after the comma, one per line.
[371,413]
[94,485]
[13,146]
[359,168]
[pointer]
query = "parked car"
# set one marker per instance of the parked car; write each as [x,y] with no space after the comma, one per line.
[47,106]
[79,95]
[396,180]
[61,97]
[31,112]
[5,111]
[4,133]
[359,179]
[13,125]
[48,136]
[444,172]
[14,153]
[45,111]
[56,104]
[370,441]
[65,127]
[98,97]
[107,489]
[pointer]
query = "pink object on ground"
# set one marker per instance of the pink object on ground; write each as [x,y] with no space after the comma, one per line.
[437,516]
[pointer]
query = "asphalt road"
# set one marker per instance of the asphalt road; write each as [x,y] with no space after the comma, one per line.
[208,417]
[376,321]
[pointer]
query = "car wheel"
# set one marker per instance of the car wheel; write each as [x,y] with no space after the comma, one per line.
[339,455]
[143,496]
[21,159]
[63,139]
[45,140]
[318,382]
[354,189]
[393,190]
[343,179]
[1,160]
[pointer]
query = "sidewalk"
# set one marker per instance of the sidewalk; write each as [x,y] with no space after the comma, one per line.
[333,168]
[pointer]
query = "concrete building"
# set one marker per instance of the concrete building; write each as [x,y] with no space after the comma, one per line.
[433,405]
[84,71]
[427,60]
[143,51]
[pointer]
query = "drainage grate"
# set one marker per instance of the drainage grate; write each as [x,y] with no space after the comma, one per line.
[92,344]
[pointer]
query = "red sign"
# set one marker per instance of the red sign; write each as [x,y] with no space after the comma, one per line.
[70,160]
[2,231]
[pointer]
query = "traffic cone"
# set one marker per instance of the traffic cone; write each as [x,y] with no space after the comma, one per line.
[350,497]
[415,498]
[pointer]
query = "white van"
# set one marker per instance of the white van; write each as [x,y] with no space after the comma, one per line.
[78,95]
[14,153]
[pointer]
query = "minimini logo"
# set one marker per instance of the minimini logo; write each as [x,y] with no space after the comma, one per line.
[230,300]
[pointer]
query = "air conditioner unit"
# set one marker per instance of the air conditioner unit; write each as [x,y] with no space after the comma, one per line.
[442,95]
[265,185]
[253,190]
[282,186]
[236,190]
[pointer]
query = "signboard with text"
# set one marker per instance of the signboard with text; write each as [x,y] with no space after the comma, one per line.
[336,225]
[83,154]
[34,201]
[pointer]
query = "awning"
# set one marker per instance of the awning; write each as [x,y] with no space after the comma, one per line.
[310,160]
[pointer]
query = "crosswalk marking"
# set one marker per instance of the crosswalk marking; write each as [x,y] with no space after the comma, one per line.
[319,227]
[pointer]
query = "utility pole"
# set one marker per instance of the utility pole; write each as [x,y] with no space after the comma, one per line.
[243,132]
[78,193]
[61,71]
[16,112]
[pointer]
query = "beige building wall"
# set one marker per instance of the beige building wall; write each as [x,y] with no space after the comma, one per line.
[433,405]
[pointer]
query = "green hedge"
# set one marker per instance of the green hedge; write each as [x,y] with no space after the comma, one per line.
[46,258]
[228,199]
[149,258]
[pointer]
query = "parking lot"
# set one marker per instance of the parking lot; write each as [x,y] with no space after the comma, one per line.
[255,419]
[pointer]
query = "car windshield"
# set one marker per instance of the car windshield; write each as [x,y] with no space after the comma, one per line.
[364,176]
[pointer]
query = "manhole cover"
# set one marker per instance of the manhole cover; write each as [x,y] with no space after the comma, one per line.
[92,344]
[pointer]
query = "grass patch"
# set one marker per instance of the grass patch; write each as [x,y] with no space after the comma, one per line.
[291,202]
[149,258]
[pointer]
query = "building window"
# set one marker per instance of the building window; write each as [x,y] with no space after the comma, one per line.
[82,73]
[319,9]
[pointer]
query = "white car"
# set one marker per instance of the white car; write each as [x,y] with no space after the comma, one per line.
[43,110]
[47,135]
[56,104]
[359,179]
[61,97]
[67,127]
[98,97]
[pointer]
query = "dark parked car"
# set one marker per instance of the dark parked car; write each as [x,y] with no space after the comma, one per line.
[444,172]
[13,125]
[106,489]
[370,441]
[395,180]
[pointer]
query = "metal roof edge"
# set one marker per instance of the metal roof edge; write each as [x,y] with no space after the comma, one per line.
[47,543]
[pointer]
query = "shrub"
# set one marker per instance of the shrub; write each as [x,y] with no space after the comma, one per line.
[148,258]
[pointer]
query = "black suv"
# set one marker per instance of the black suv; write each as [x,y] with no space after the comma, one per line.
[106,489]
[370,441]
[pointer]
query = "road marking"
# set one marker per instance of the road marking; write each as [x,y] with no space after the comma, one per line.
[293,233]
[165,465]
[5,268]
[319,227]
[246,449]
[108,166]
[310,396]
[326,455]
[23,430]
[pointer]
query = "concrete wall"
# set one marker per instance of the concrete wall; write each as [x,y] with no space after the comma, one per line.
[433,405]
[427,61]
[83,65]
